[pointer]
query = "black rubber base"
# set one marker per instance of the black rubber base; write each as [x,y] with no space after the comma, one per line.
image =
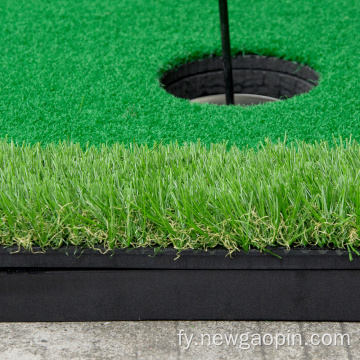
[252,74]
[310,285]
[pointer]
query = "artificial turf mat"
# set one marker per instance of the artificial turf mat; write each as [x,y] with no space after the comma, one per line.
[88,71]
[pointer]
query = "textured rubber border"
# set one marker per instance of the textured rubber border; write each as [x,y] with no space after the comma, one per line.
[305,285]
[252,74]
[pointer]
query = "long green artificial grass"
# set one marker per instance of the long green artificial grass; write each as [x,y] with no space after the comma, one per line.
[182,196]
[88,71]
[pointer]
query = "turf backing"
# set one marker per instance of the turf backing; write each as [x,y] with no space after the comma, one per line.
[88,71]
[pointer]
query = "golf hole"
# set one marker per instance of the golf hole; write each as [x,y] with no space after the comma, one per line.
[257,79]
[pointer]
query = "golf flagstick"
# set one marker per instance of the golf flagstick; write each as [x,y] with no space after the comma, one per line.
[225,40]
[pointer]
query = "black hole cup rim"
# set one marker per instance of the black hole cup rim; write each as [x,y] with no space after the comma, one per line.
[255,76]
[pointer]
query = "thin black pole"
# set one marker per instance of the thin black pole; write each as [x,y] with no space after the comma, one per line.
[225,40]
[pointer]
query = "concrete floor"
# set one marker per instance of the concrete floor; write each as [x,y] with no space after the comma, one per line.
[161,340]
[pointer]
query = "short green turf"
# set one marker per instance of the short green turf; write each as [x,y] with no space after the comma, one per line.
[88,71]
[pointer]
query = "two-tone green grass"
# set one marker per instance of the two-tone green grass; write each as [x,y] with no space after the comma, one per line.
[185,196]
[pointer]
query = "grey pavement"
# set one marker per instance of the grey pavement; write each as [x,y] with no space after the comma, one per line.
[198,340]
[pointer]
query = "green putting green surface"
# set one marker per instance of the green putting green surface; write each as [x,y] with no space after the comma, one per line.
[88,71]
